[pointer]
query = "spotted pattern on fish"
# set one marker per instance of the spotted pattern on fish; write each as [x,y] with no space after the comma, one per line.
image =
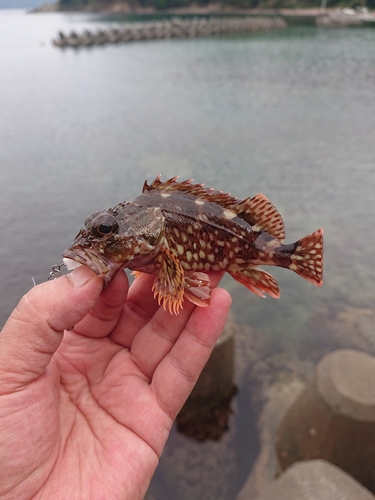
[179,231]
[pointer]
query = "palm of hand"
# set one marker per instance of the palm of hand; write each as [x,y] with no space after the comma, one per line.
[93,423]
[99,384]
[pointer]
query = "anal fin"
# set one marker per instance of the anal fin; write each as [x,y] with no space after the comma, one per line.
[257,280]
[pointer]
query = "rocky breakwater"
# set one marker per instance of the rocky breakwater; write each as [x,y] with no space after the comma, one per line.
[334,418]
[321,433]
[173,28]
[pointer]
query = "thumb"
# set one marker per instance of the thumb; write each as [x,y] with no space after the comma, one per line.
[35,328]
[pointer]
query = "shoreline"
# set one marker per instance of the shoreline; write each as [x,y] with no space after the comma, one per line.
[123,7]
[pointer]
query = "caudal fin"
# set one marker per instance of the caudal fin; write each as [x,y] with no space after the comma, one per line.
[307,258]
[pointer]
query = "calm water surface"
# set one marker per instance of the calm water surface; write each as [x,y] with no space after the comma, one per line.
[290,114]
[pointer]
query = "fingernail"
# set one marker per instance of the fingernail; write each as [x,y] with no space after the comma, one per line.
[80,276]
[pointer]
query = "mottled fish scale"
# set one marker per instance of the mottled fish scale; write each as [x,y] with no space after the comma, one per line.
[211,237]
[179,231]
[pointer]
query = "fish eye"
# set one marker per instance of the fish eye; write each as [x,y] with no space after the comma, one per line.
[104,226]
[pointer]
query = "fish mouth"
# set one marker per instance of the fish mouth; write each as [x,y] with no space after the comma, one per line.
[100,265]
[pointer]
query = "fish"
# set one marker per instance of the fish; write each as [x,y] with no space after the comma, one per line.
[180,231]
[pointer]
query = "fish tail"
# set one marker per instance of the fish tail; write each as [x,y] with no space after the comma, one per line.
[307,257]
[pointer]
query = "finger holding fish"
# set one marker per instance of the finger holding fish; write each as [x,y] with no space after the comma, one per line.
[143,314]
[163,333]
[107,310]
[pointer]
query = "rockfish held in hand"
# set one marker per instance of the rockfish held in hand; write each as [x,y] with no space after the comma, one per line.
[179,231]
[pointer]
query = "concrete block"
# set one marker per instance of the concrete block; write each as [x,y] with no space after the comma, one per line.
[334,417]
[315,480]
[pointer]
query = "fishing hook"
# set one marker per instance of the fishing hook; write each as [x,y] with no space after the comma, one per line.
[56,271]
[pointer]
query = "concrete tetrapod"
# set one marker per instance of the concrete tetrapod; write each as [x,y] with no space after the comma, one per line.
[315,480]
[174,28]
[334,417]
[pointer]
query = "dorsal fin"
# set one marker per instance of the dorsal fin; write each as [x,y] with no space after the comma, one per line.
[198,190]
[257,211]
[262,215]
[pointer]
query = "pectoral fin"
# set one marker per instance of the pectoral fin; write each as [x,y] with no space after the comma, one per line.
[168,286]
[198,289]
[258,281]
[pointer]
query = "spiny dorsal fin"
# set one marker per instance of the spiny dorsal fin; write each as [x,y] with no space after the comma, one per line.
[257,211]
[262,215]
[187,187]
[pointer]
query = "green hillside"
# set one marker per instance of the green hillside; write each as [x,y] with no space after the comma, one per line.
[166,4]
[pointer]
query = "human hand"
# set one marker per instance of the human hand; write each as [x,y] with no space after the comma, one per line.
[85,414]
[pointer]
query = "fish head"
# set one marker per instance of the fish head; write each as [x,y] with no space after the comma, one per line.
[113,239]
